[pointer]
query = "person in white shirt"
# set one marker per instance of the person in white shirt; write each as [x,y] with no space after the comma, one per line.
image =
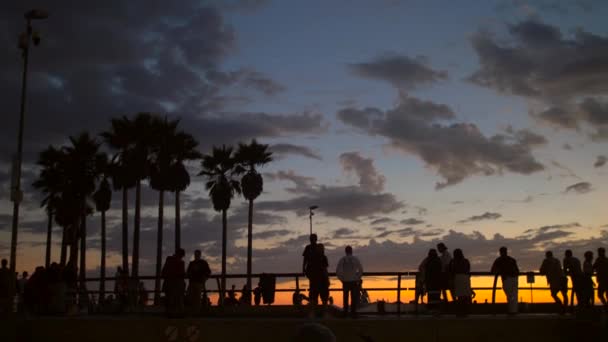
[349,271]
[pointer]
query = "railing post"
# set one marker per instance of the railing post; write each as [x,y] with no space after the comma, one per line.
[298,283]
[494,293]
[399,294]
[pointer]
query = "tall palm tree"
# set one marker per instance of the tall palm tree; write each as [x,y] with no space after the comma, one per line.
[161,158]
[251,156]
[49,183]
[143,133]
[184,149]
[83,162]
[220,167]
[119,138]
[103,198]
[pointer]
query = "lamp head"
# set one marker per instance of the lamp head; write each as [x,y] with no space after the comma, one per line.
[313,207]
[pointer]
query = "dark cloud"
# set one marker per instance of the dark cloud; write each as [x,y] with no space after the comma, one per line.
[537,7]
[570,86]
[482,217]
[348,202]
[271,234]
[600,161]
[382,220]
[579,188]
[302,184]
[412,221]
[343,232]
[402,72]
[545,229]
[457,150]
[282,150]
[369,178]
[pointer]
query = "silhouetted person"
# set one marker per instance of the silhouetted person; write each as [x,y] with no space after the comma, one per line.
[558,283]
[7,288]
[174,273]
[586,290]
[257,294]
[364,296]
[57,289]
[70,278]
[349,271]
[446,258]
[460,272]
[198,272]
[314,332]
[600,266]
[420,286]
[573,269]
[298,297]
[231,299]
[308,257]
[245,298]
[117,284]
[432,279]
[143,294]
[21,290]
[506,268]
[323,274]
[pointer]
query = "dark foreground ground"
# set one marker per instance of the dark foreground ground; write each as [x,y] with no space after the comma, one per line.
[447,328]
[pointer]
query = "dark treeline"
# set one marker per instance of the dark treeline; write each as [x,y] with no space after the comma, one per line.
[78,179]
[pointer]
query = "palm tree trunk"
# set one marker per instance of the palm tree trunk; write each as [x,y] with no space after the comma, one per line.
[64,247]
[135,260]
[74,245]
[159,246]
[125,230]
[83,251]
[49,231]
[224,240]
[249,246]
[102,270]
[178,226]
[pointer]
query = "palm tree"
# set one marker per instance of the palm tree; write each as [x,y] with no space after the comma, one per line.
[143,133]
[123,176]
[251,156]
[219,167]
[184,149]
[49,182]
[83,161]
[102,198]
[161,159]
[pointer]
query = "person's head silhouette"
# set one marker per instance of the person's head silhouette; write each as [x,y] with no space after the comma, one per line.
[348,250]
[197,254]
[549,254]
[601,252]
[503,251]
[313,239]
[568,253]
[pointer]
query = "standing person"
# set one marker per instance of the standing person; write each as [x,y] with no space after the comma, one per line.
[323,274]
[312,268]
[117,281]
[600,266]
[587,280]
[506,267]
[432,280]
[572,268]
[446,258]
[198,272]
[257,295]
[460,272]
[558,283]
[349,271]
[174,273]
[7,288]
[21,290]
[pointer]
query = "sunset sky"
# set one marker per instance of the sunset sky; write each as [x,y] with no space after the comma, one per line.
[475,123]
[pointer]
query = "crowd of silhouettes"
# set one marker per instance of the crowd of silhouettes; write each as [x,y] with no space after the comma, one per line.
[56,289]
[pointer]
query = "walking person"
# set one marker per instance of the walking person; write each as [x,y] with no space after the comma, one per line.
[573,268]
[586,290]
[506,267]
[460,272]
[446,258]
[313,267]
[551,268]
[7,288]
[600,266]
[198,272]
[174,273]
[349,271]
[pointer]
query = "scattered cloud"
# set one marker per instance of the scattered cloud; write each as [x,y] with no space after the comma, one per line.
[369,178]
[411,221]
[485,216]
[282,150]
[302,184]
[456,151]
[579,188]
[600,161]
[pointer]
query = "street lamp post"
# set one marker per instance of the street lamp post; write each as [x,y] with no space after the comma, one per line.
[16,193]
[311,208]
